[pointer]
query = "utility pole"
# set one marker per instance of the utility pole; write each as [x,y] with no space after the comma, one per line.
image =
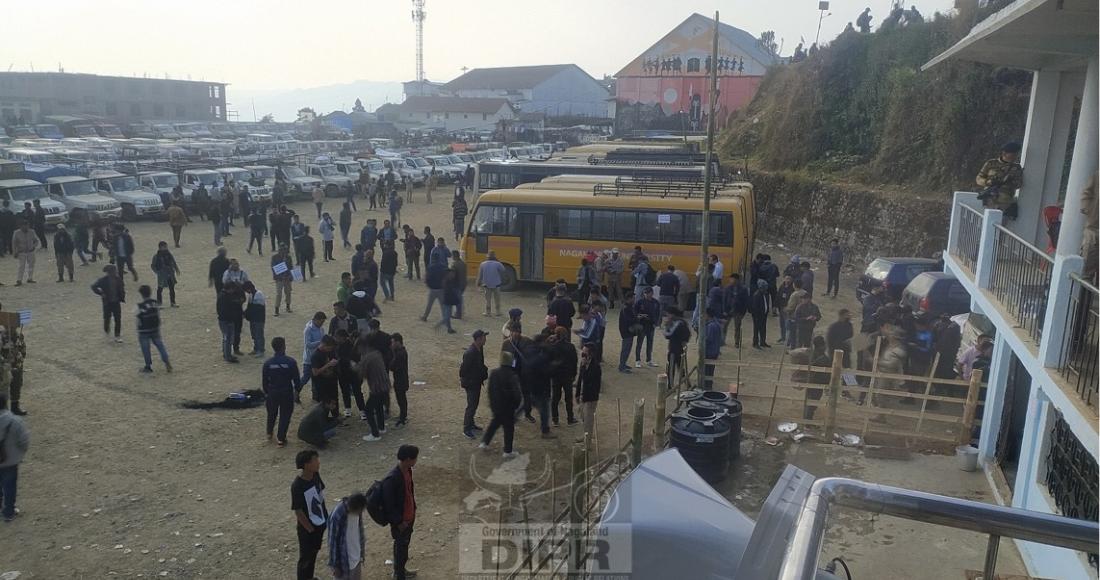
[418,15]
[822,7]
[704,275]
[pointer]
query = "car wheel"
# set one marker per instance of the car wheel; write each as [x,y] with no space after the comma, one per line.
[331,190]
[129,213]
[510,281]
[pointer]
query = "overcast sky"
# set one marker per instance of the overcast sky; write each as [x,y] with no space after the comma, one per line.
[279,44]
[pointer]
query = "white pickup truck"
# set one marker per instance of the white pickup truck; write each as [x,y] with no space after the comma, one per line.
[79,194]
[297,181]
[241,176]
[333,180]
[125,189]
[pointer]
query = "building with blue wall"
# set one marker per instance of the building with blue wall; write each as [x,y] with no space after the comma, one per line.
[555,90]
[1039,438]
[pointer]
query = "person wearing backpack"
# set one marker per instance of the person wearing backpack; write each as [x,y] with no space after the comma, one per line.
[399,501]
[346,542]
[14,442]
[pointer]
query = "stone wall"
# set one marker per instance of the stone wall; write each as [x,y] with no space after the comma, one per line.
[805,215]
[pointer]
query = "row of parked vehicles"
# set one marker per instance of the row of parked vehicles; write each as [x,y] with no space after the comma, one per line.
[919,283]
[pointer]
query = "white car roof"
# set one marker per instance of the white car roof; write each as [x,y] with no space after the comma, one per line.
[17,182]
[103,174]
[67,179]
[201,172]
[155,173]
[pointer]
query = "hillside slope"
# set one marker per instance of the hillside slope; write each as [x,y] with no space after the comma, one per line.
[860,111]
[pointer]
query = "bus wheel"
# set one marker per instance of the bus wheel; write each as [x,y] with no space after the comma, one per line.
[129,213]
[509,283]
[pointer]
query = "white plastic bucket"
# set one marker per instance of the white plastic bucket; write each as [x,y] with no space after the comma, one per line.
[968,457]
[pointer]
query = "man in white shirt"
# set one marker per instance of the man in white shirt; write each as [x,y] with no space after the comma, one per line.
[490,275]
[719,269]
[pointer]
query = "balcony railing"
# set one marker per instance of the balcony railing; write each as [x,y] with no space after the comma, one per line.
[969,236]
[1020,280]
[1078,363]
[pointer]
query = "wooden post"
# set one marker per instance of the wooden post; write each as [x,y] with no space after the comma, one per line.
[870,400]
[971,407]
[834,390]
[576,496]
[927,391]
[662,416]
[637,433]
[527,540]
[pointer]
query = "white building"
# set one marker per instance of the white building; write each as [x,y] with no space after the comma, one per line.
[1039,437]
[555,90]
[455,113]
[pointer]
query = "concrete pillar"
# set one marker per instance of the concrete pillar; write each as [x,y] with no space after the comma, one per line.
[961,198]
[984,267]
[1084,164]
[1039,143]
[1058,304]
[994,398]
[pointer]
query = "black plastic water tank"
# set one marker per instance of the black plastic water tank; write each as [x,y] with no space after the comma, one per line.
[733,408]
[703,440]
[684,399]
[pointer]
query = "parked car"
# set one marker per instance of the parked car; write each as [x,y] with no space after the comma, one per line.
[242,176]
[48,131]
[20,191]
[893,274]
[333,180]
[936,293]
[159,182]
[125,189]
[208,177]
[297,181]
[81,194]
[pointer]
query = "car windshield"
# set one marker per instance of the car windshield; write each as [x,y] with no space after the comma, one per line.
[921,285]
[238,175]
[420,162]
[455,160]
[265,173]
[329,171]
[79,188]
[375,166]
[113,132]
[27,192]
[878,269]
[86,131]
[166,180]
[292,172]
[123,184]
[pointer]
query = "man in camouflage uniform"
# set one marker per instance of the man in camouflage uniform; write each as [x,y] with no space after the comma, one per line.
[13,353]
[1000,178]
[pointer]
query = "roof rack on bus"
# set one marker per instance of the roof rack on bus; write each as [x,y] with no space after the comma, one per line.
[594,160]
[649,187]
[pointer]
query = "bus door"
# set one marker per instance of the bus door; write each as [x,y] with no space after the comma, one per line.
[531,245]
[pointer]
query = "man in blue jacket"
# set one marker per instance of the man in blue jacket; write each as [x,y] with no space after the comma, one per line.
[280,384]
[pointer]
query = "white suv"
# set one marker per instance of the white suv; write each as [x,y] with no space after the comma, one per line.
[20,191]
[125,189]
[81,194]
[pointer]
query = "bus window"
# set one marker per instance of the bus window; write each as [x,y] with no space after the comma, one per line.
[574,223]
[721,228]
[603,224]
[661,227]
[497,220]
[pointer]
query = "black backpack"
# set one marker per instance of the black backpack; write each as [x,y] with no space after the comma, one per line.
[375,508]
[650,276]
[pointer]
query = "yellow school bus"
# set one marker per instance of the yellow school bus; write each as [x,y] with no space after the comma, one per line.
[541,234]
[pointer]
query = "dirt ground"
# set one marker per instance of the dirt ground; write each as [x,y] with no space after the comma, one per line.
[121,481]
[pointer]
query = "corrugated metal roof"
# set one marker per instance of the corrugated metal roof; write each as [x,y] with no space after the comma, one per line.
[432,104]
[507,77]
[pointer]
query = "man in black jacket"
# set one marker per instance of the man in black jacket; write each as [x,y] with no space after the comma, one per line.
[218,266]
[536,374]
[562,308]
[399,501]
[471,376]
[628,325]
[504,398]
[563,368]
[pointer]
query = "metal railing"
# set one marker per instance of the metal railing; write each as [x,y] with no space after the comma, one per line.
[801,561]
[969,235]
[1020,280]
[1078,362]
[1071,477]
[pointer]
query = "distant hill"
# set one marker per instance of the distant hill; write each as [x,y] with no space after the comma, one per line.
[285,104]
[861,111]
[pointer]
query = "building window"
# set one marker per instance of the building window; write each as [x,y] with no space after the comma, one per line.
[135,109]
[1071,476]
[218,111]
[215,92]
[693,65]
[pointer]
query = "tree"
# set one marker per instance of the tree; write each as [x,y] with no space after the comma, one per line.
[268,118]
[358,108]
[767,42]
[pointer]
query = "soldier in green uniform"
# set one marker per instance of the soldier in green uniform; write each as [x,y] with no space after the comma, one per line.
[14,359]
[1000,178]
